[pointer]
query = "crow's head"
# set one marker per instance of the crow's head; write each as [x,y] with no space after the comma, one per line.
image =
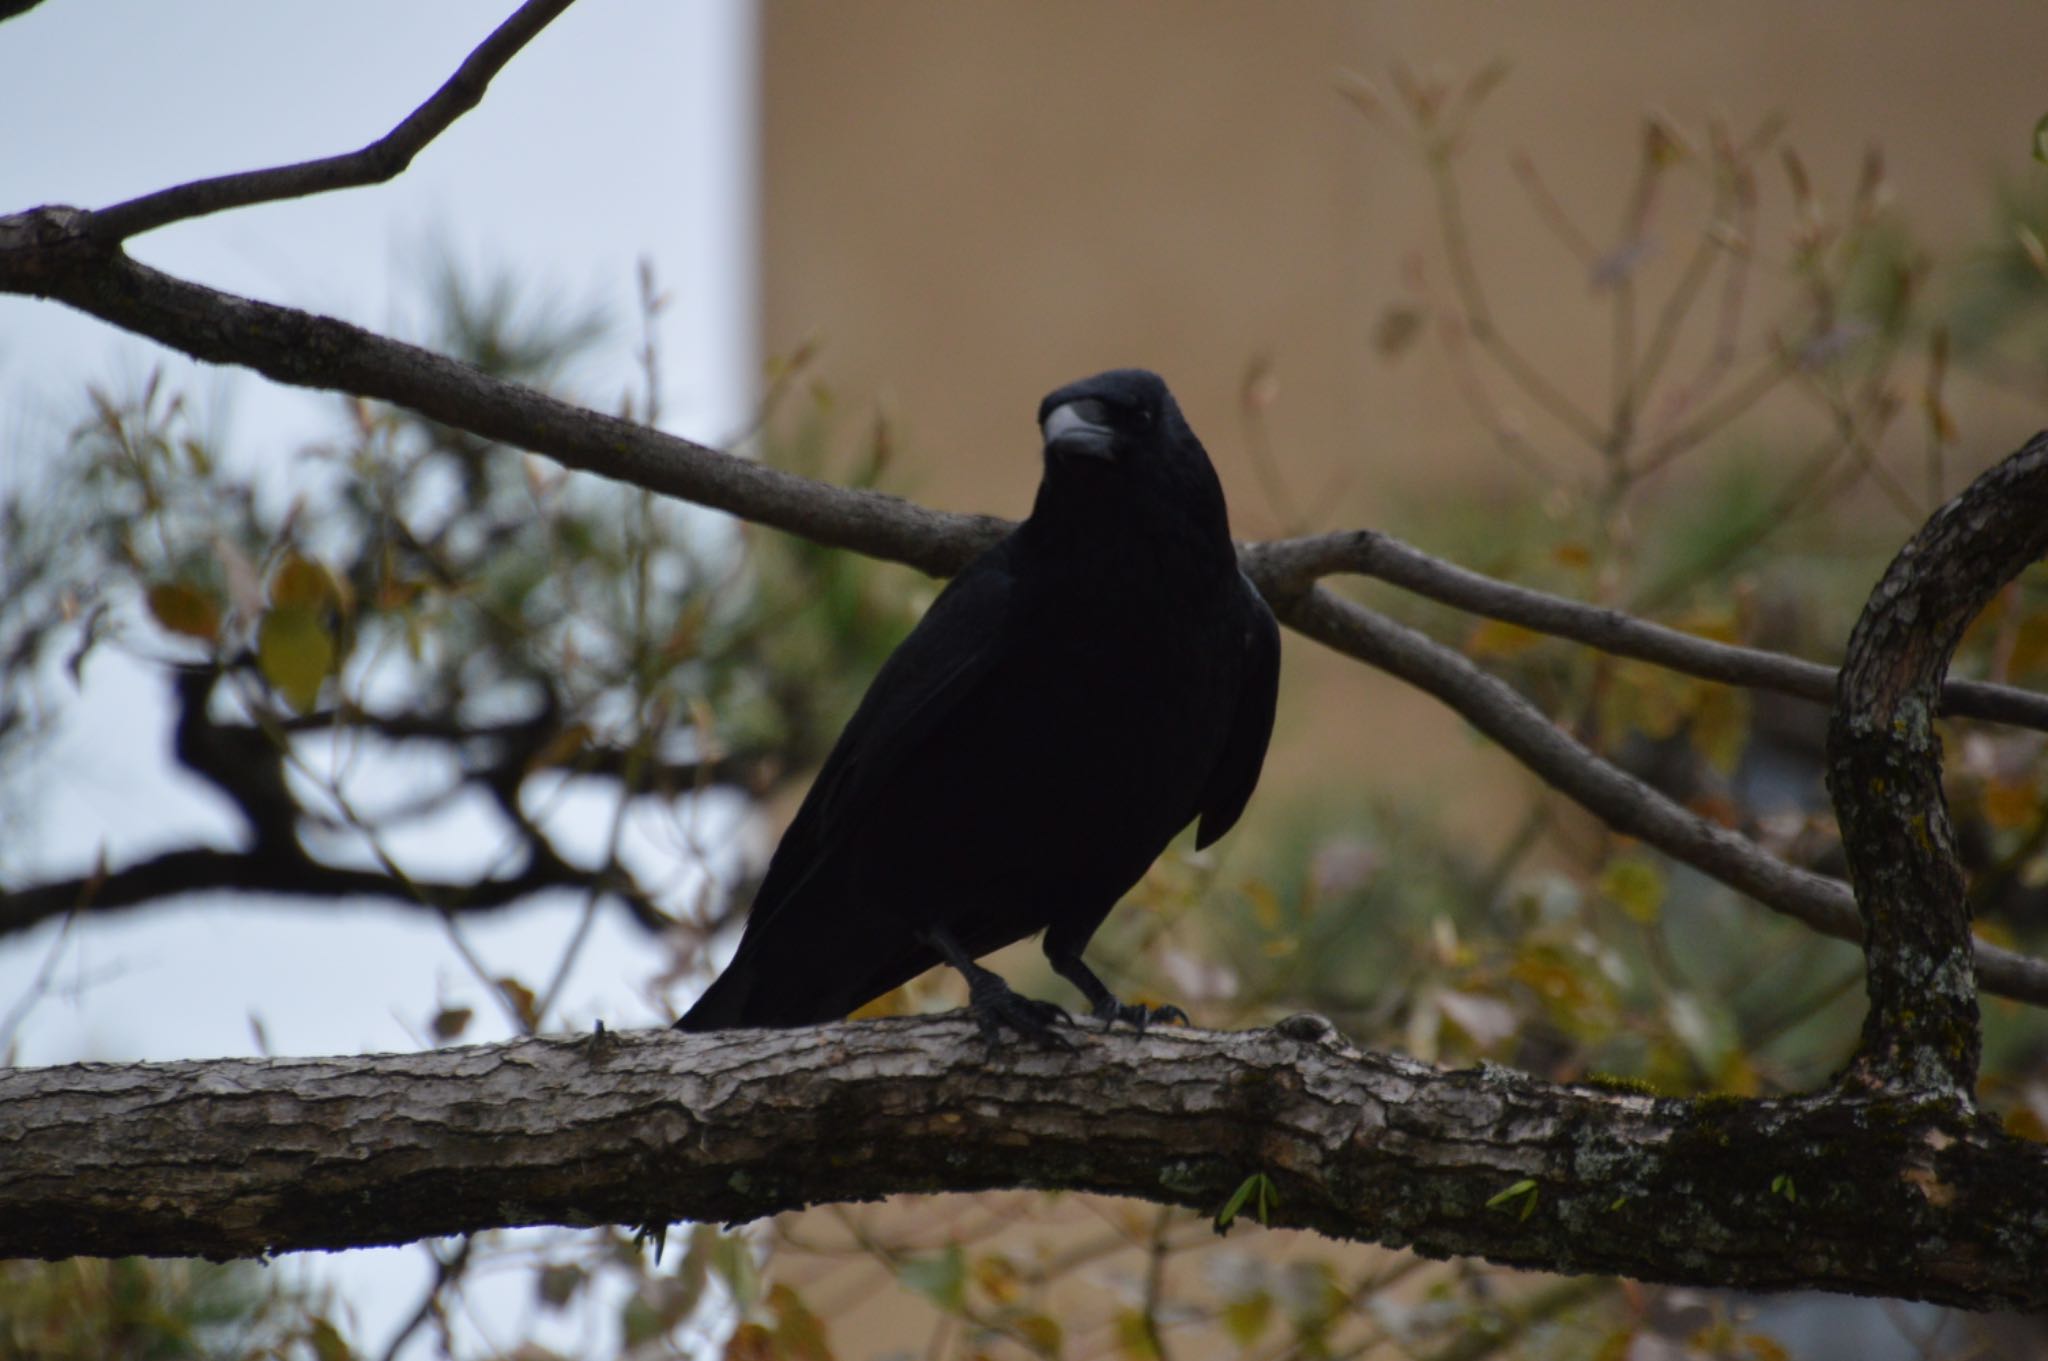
[1118,417]
[1119,438]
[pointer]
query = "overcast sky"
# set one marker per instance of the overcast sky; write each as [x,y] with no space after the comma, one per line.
[623,131]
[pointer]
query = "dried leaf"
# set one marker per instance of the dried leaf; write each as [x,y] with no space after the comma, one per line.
[185,609]
[449,1023]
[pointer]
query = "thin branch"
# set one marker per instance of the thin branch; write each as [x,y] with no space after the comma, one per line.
[289,874]
[381,160]
[1618,799]
[1290,565]
[49,252]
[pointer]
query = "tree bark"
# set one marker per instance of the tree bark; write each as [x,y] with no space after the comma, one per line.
[1884,772]
[1871,1194]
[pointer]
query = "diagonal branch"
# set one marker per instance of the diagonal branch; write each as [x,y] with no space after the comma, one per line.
[1615,797]
[384,159]
[241,1157]
[50,253]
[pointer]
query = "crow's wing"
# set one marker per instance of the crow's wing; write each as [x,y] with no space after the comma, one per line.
[924,680]
[1251,723]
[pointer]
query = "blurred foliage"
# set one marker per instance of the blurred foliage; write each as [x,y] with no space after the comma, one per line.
[139,1309]
[1780,412]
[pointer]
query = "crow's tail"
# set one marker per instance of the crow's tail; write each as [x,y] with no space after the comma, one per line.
[724,1004]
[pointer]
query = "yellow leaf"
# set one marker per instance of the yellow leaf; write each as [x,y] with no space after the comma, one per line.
[1720,726]
[1134,1339]
[185,609]
[1497,638]
[296,653]
[1265,904]
[2010,803]
[1040,1332]
[998,1277]
[1246,1317]
[522,999]
[1636,885]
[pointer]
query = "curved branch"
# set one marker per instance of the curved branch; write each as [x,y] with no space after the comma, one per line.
[1884,771]
[384,159]
[1295,564]
[240,1157]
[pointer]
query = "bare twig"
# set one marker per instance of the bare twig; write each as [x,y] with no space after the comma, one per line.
[1291,564]
[1618,799]
[381,160]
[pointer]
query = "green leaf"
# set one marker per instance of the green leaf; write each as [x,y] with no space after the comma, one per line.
[2041,140]
[296,653]
[1245,1317]
[1523,1191]
[941,1279]
[1257,1188]
[1636,885]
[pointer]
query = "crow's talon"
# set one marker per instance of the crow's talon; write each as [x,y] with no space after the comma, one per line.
[1032,1019]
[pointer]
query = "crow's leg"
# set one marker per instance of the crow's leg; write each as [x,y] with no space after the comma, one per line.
[1065,954]
[994,1005]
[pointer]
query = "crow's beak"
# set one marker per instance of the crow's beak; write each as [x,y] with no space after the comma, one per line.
[1077,428]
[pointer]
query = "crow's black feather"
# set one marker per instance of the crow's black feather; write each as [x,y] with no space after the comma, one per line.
[1080,693]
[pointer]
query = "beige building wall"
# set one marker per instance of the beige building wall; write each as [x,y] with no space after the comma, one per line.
[967,204]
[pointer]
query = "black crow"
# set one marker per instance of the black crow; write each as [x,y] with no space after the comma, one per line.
[1081,692]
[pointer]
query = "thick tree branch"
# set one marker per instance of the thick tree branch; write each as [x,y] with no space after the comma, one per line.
[1870,1195]
[1294,564]
[384,159]
[48,252]
[1884,770]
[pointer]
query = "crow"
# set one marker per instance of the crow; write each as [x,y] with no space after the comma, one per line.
[1083,690]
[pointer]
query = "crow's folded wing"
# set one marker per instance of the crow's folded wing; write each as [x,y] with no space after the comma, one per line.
[943,660]
[1251,724]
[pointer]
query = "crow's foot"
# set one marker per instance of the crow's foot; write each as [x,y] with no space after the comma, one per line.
[1109,1011]
[996,1009]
